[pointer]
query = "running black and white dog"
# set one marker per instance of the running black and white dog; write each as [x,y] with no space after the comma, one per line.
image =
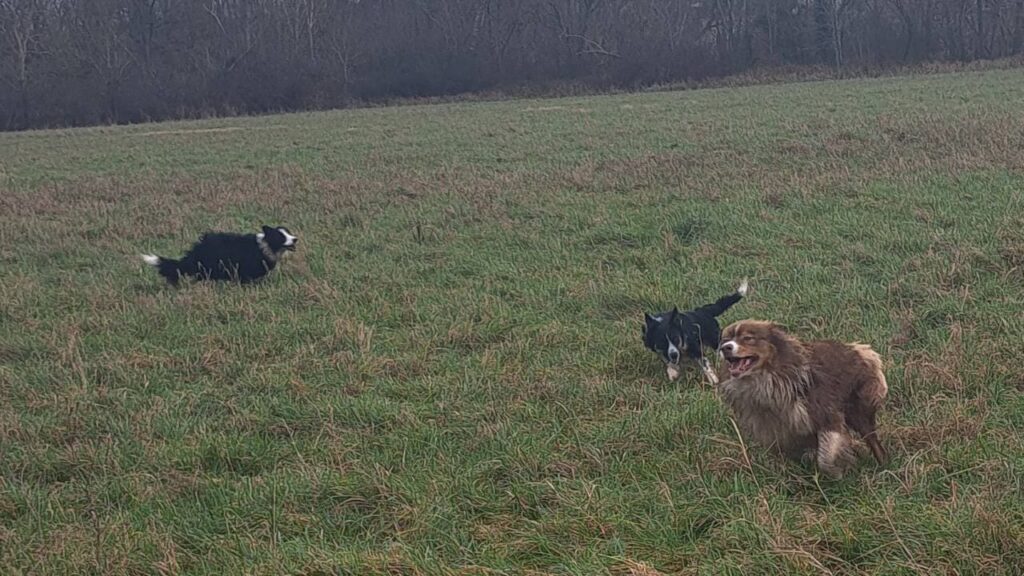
[676,335]
[226,256]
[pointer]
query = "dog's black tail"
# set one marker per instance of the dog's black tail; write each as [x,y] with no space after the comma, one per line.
[726,302]
[169,269]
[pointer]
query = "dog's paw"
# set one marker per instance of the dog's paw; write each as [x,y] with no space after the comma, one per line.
[673,373]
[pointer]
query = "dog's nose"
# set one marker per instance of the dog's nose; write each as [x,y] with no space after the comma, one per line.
[673,355]
[729,346]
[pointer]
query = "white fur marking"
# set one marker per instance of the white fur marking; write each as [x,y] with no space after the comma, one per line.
[729,345]
[744,287]
[673,373]
[289,240]
[151,259]
[830,445]
[259,236]
[267,252]
[799,418]
[672,348]
[709,372]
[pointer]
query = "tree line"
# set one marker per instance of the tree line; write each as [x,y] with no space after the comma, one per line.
[77,62]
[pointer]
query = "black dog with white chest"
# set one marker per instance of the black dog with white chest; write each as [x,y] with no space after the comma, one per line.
[226,256]
[676,335]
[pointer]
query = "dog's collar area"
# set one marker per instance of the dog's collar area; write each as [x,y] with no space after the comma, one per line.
[265,248]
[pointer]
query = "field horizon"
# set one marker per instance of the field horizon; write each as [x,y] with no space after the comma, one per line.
[448,378]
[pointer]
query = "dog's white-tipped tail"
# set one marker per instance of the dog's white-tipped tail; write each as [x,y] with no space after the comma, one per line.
[744,287]
[151,259]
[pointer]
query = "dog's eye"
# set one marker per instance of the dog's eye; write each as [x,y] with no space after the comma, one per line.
[747,339]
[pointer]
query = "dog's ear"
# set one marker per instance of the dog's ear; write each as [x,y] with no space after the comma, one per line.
[730,331]
[648,322]
[777,334]
[785,348]
[267,229]
[673,314]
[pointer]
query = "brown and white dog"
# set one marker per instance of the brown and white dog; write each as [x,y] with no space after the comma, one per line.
[803,397]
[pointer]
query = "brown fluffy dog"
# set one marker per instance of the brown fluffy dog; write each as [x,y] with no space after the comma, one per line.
[802,397]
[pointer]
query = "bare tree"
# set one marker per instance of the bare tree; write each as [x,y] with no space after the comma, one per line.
[21,25]
[78,62]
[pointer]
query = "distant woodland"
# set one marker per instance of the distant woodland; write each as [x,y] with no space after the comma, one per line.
[78,62]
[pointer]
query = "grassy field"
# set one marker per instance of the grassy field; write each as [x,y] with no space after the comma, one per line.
[448,377]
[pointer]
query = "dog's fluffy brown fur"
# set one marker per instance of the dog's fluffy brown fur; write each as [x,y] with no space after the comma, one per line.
[801,397]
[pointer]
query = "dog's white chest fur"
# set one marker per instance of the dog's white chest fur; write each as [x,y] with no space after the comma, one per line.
[771,410]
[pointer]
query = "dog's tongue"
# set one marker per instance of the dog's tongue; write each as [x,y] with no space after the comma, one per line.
[740,366]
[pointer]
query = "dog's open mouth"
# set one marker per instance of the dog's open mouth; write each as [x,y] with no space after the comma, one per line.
[739,366]
[290,247]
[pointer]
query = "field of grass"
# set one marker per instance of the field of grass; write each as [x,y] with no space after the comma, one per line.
[448,378]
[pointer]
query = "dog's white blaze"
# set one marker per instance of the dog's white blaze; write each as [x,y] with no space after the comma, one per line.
[672,348]
[151,259]
[289,240]
[744,287]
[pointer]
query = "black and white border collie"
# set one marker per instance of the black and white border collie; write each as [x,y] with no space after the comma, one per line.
[675,335]
[226,256]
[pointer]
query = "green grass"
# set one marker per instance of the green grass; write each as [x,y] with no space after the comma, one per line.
[448,377]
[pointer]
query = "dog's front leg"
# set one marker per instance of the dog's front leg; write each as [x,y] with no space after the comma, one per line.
[708,371]
[835,452]
[673,372]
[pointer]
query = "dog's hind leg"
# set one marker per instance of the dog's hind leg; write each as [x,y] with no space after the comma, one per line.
[861,417]
[861,410]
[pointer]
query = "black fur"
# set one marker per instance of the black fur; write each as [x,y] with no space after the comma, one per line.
[227,256]
[688,332]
